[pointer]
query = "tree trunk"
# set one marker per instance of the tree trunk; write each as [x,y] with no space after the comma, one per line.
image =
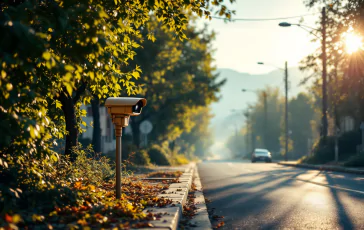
[71,124]
[96,135]
[136,133]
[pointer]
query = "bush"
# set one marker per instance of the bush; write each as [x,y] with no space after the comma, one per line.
[355,161]
[347,144]
[140,157]
[92,167]
[323,152]
[180,159]
[158,155]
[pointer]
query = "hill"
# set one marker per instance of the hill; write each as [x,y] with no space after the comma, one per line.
[226,122]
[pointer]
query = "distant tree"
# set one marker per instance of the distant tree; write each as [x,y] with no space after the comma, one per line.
[302,114]
[198,140]
[180,79]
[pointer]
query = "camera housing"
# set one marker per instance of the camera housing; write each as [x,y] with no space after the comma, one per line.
[121,108]
[129,106]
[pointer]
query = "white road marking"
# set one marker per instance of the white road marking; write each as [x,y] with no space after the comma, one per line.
[332,186]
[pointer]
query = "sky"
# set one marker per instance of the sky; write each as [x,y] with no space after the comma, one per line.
[240,45]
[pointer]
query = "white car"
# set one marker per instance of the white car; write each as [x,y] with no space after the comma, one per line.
[261,155]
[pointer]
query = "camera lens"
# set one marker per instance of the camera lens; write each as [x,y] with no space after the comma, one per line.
[138,107]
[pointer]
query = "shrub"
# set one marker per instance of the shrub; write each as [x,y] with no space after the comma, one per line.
[158,155]
[90,166]
[140,157]
[180,159]
[355,161]
[347,144]
[28,184]
[323,152]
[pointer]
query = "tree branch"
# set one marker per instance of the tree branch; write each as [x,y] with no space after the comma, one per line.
[79,92]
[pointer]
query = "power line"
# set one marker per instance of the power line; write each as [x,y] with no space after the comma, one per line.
[264,19]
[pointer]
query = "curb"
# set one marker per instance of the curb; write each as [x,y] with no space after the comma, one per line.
[324,167]
[201,220]
[178,193]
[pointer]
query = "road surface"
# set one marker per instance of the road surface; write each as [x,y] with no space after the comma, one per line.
[270,196]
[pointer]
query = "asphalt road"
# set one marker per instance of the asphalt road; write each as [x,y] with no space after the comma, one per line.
[270,196]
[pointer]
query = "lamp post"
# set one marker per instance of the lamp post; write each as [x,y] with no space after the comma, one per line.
[286,107]
[324,122]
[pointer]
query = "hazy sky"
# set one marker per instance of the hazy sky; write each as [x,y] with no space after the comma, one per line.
[241,44]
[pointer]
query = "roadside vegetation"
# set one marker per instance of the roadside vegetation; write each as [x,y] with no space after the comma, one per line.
[345,72]
[80,194]
[56,57]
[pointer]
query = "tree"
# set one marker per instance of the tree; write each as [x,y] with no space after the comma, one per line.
[302,114]
[55,55]
[274,114]
[302,117]
[179,78]
[345,70]
[198,140]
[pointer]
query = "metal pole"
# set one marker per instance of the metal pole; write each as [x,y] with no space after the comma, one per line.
[247,133]
[324,73]
[265,118]
[286,111]
[118,134]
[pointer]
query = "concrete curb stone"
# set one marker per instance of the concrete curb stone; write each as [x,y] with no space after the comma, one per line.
[201,219]
[178,193]
[325,167]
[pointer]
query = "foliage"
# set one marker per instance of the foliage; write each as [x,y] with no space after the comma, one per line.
[92,167]
[348,143]
[198,140]
[180,159]
[323,152]
[165,174]
[344,70]
[237,145]
[82,195]
[302,120]
[180,83]
[158,155]
[355,161]
[141,157]
[54,56]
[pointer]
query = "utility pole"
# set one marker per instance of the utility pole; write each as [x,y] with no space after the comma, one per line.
[265,119]
[246,114]
[286,110]
[324,81]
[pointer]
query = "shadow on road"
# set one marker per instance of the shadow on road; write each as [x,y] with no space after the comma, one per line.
[247,200]
[344,219]
[250,204]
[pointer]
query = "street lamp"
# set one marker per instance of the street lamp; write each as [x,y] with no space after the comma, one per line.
[324,71]
[286,102]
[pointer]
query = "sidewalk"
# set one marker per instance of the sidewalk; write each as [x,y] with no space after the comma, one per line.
[323,167]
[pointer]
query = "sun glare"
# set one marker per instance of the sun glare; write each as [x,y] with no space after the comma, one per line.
[353,42]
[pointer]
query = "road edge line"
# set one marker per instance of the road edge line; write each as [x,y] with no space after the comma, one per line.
[324,168]
[201,219]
